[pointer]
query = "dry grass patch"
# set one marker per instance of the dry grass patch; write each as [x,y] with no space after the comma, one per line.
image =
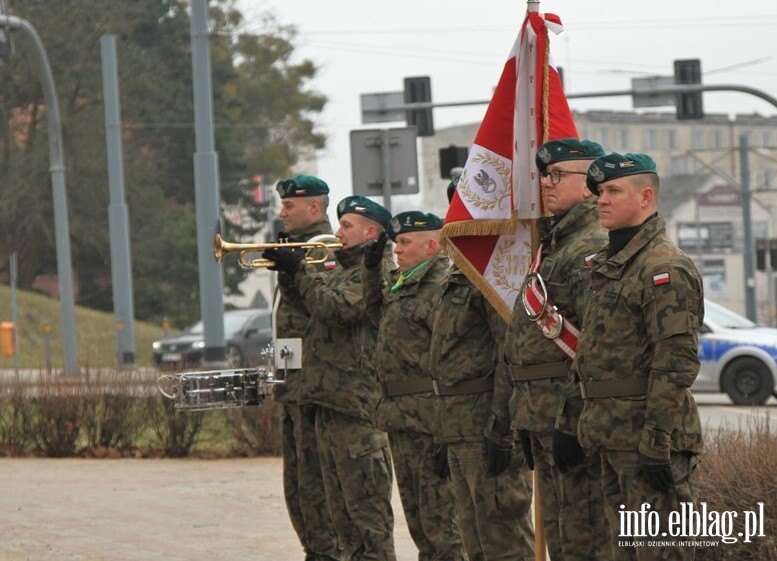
[737,472]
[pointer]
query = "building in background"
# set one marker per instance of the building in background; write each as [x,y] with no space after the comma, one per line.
[701,176]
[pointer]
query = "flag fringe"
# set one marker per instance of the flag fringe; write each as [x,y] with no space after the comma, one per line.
[495,227]
[545,90]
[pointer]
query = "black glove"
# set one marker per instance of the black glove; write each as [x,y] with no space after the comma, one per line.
[373,251]
[525,438]
[498,457]
[286,260]
[283,237]
[567,451]
[441,466]
[658,473]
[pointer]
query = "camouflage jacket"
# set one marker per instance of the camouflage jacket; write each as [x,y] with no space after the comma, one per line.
[641,327]
[338,338]
[466,335]
[291,318]
[402,352]
[574,238]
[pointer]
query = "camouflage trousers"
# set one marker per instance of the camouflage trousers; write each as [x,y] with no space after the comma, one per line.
[494,512]
[640,536]
[574,519]
[358,478]
[303,486]
[427,500]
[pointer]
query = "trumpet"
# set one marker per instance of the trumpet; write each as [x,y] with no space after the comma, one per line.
[325,242]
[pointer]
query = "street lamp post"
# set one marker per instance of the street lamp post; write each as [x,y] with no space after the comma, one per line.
[57,170]
[747,230]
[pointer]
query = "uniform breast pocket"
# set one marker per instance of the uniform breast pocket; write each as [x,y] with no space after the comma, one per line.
[458,296]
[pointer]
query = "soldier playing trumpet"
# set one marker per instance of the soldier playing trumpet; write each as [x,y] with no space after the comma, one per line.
[340,384]
[304,201]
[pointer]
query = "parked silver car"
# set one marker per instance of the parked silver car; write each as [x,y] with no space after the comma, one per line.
[246,334]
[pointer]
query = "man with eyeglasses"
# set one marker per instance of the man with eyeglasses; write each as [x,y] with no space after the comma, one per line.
[538,352]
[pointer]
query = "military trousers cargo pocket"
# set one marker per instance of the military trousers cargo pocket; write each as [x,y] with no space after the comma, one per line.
[367,445]
[510,494]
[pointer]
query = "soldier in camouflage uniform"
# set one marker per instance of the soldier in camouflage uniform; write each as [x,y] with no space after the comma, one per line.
[406,309]
[491,485]
[573,513]
[637,358]
[304,201]
[340,385]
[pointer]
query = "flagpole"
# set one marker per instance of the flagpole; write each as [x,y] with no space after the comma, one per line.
[539,530]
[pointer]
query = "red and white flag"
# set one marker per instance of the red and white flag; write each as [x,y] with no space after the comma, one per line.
[488,227]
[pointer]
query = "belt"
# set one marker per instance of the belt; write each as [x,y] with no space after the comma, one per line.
[614,388]
[479,385]
[408,387]
[538,371]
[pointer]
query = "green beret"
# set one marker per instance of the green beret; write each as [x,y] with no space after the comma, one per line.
[301,186]
[612,166]
[358,204]
[565,149]
[413,221]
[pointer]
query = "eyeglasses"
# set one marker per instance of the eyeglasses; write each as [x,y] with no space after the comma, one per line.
[556,174]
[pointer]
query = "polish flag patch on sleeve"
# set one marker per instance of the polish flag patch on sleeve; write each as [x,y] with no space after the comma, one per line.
[329,265]
[660,278]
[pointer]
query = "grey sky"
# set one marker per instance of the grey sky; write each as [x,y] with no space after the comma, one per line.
[367,46]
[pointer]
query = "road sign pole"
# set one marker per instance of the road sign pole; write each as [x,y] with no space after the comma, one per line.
[385,168]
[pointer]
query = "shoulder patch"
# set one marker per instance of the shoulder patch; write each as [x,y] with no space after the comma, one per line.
[660,278]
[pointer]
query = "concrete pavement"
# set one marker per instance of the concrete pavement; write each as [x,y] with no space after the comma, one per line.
[138,510]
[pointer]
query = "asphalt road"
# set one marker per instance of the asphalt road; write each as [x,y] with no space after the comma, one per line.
[183,510]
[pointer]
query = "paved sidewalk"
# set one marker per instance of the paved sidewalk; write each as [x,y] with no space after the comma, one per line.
[139,510]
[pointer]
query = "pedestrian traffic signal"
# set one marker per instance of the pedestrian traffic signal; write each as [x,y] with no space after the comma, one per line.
[766,254]
[760,255]
[450,158]
[419,90]
[689,105]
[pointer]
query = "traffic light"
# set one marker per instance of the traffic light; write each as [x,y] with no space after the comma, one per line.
[689,105]
[760,255]
[452,157]
[419,90]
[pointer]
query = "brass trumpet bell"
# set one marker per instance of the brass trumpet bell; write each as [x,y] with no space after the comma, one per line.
[325,243]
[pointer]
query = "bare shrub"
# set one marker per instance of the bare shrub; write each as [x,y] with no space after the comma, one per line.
[735,474]
[57,416]
[16,421]
[114,412]
[257,430]
[176,432]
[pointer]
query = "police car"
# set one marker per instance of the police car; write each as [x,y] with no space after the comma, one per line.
[738,357]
